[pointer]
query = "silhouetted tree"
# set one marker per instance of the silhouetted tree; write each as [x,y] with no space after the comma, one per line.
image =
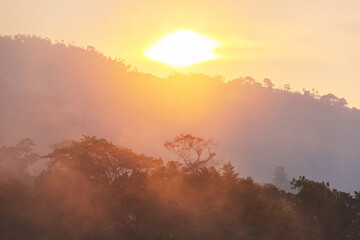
[333,100]
[229,173]
[15,160]
[287,87]
[93,189]
[281,179]
[100,160]
[195,152]
[330,211]
[268,83]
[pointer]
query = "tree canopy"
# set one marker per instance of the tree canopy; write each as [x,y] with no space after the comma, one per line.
[94,189]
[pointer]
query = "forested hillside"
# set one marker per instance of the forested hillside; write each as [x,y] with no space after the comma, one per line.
[54,91]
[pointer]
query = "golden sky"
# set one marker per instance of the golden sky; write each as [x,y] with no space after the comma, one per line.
[307,44]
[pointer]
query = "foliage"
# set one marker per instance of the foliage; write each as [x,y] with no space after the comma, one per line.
[15,160]
[93,189]
[191,151]
[281,179]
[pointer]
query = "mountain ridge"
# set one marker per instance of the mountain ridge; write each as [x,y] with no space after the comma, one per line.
[62,91]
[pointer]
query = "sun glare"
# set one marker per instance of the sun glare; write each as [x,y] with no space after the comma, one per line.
[183,48]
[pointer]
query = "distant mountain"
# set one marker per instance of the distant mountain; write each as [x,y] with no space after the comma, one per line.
[53,91]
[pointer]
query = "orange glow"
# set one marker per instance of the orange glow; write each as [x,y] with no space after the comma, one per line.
[183,48]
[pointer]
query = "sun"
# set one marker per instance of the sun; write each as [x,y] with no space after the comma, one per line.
[183,48]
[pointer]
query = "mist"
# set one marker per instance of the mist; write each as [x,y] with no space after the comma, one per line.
[55,91]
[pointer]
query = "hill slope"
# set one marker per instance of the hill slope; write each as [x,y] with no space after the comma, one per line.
[49,92]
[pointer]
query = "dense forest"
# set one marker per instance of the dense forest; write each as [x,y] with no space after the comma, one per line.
[94,189]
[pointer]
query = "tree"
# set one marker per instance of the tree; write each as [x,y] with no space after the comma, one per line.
[194,151]
[268,83]
[99,160]
[333,100]
[287,87]
[329,210]
[15,160]
[228,173]
[281,179]
[355,229]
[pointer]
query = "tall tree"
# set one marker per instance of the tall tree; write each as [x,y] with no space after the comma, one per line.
[281,179]
[195,152]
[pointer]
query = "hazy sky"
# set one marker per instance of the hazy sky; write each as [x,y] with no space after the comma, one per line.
[308,44]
